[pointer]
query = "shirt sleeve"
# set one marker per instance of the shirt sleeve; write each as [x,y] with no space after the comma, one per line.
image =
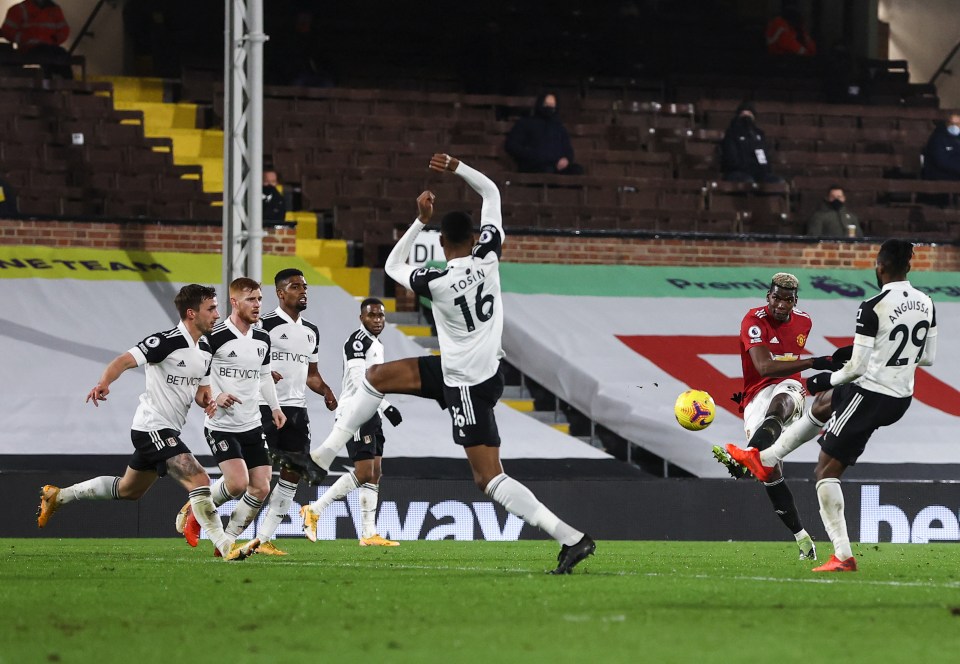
[752,333]
[152,350]
[867,321]
[396,266]
[490,214]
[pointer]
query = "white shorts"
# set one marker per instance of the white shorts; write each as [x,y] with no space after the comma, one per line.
[756,410]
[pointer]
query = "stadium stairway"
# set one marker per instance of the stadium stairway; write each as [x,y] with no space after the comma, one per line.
[177,121]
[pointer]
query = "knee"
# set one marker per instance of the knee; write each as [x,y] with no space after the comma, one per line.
[198,480]
[365,476]
[375,375]
[236,486]
[131,494]
[259,490]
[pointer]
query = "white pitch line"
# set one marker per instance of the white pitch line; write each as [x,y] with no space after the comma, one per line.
[760,579]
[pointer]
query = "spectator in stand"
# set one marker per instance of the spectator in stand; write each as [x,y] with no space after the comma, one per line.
[786,34]
[540,143]
[744,156]
[274,207]
[941,156]
[832,218]
[38,29]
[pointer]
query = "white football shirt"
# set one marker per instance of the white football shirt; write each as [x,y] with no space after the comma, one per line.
[467,304]
[294,345]
[175,365]
[240,366]
[897,325]
[360,351]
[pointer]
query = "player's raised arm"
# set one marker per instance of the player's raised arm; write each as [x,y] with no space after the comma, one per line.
[396,266]
[490,210]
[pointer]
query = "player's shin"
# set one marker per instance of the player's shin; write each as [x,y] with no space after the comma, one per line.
[277,507]
[783,504]
[339,489]
[795,435]
[206,515]
[520,501]
[243,515]
[369,497]
[767,433]
[98,488]
[830,496]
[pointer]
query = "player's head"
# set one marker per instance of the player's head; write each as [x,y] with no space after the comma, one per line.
[782,295]
[198,304]
[291,289]
[456,234]
[893,261]
[245,299]
[372,316]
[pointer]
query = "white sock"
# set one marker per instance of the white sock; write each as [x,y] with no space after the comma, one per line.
[520,501]
[277,508]
[206,515]
[357,409]
[369,497]
[99,488]
[219,493]
[337,490]
[243,514]
[795,435]
[801,535]
[831,512]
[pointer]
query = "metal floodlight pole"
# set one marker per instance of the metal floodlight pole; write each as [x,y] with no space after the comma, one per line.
[243,141]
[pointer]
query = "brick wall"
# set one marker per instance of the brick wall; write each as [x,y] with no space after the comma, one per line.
[714,253]
[136,235]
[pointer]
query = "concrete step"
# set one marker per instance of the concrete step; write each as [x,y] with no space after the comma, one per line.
[515,392]
[431,343]
[523,405]
[405,317]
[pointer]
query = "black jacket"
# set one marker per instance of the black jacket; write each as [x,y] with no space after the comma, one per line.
[537,143]
[941,156]
[739,149]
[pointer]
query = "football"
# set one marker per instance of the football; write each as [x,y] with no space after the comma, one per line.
[695,410]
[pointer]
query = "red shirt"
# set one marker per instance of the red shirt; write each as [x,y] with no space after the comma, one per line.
[28,25]
[785,341]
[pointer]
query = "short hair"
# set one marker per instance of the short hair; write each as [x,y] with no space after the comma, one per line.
[895,256]
[241,284]
[192,296]
[784,280]
[835,186]
[283,275]
[369,302]
[456,227]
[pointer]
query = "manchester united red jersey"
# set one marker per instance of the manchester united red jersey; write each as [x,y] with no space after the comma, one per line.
[785,341]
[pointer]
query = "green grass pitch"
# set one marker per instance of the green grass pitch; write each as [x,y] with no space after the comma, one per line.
[141,600]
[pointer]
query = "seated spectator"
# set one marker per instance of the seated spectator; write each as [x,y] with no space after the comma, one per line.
[941,156]
[274,207]
[744,156]
[832,218]
[786,34]
[38,29]
[540,143]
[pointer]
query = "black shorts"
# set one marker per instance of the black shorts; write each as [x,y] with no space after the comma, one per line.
[471,411]
[251,446]
[153,448]
[857,413]
[295,434]
[367,442]
[431,379]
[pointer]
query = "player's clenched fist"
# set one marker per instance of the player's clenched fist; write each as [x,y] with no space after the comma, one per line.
[443,162]
[425,206]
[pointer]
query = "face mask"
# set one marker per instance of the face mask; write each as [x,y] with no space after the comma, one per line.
[547,111]
[836,204]
[954,130]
